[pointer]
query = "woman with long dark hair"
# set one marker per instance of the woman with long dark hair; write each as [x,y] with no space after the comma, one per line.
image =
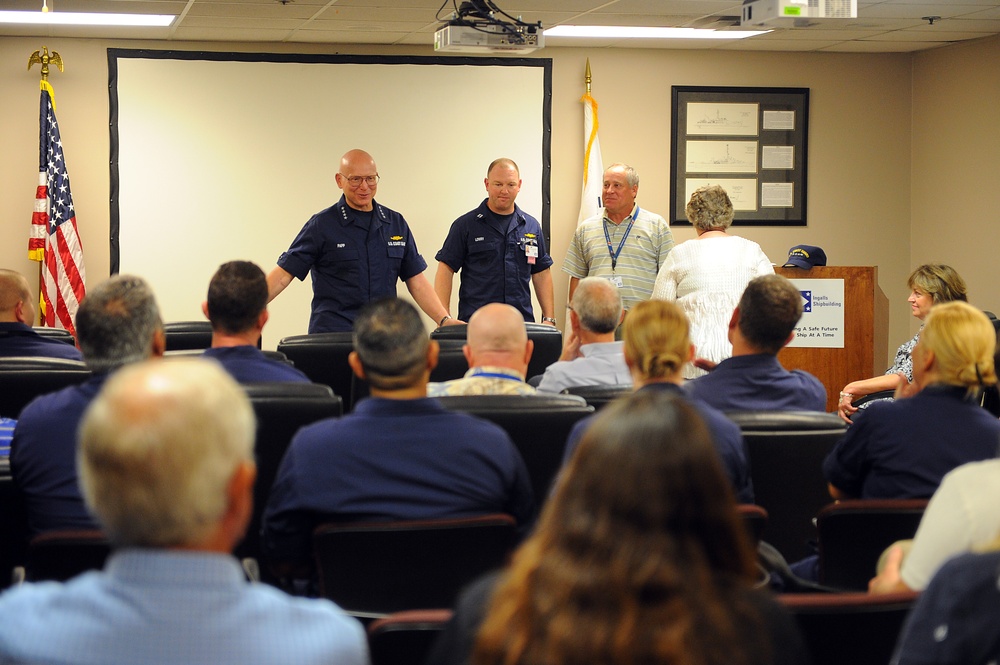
[639,557]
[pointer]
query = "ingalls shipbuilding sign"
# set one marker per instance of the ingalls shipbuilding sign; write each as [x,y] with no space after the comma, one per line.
[822,323]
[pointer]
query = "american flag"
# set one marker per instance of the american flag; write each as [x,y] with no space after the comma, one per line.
[54,238]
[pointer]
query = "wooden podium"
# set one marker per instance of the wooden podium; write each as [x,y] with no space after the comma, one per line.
[866,331]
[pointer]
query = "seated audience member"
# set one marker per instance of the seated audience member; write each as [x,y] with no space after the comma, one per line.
[166,465]
[753,379]
[397,456]
[17,315]
[657,347]
[237,309]
[902,449]
[498,351]
[963,515]
[646,563]
[930,284]
[117,323]
[955,620]
[590,355]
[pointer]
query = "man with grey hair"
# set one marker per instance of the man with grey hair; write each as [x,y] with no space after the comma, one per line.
[590,355]
[622,243]
[397,456]
[117,323]
[166,465]
[17,315]
[498,351]
[752,379]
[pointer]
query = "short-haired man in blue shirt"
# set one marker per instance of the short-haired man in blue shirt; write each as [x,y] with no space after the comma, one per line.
[499,249]
[237,308]
[166,465]
[398,455]
[753,379]
[17,315]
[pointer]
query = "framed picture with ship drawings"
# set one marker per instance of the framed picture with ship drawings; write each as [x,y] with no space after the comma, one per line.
[750,141]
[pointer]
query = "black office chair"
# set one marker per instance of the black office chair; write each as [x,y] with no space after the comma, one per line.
[754,519]
[181,335]
[56,333]
[281,409]
[600,396]
[786,450]
[854,533]
[855,628]
[61,555]
[405,638]
[374,569]
[323,358]
[24,379]
[538,425]
[547,340]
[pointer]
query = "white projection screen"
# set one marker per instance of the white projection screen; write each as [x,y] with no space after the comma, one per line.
[223,156]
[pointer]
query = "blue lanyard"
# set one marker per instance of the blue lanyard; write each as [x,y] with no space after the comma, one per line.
[607,237]
[496,375]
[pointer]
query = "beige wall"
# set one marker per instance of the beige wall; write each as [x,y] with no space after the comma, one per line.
[866,114]
[956,165]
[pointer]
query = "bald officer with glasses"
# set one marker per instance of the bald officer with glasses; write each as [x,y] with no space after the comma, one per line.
[356,250]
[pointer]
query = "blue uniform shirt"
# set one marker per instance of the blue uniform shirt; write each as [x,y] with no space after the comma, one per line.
[248,364]
[18,339]
[351,264]
[492,259]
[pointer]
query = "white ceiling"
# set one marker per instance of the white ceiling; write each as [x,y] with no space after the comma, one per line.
[881,26]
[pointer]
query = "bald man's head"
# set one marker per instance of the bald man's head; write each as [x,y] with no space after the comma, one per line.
[497,336]
[15,298]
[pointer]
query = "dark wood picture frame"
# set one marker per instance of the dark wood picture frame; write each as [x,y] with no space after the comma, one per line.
[751,141]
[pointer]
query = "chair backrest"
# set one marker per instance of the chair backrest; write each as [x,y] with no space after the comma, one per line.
[56,334]
[60,555]
[600,396]
[183,335]
[281,409]
[374,569]
[538,425]
[24,379]
[405,638]
[855,628]
[13,525]
[323,358]
[547,339]
[754,519]
[853,534]
[786,451]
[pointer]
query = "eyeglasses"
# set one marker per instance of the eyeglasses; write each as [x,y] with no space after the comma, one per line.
[355,180]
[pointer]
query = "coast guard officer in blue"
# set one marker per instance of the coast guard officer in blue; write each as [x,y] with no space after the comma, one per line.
[499,249]
[356,250]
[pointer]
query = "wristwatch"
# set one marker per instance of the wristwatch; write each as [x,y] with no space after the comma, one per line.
[548,319]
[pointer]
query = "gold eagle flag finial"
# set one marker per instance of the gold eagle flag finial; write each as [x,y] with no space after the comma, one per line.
[45,59]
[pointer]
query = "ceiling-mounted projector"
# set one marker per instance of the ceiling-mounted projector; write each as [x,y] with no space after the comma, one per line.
[489,38]
[789,13]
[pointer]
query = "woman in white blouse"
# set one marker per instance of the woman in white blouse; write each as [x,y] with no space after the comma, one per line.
[706,276]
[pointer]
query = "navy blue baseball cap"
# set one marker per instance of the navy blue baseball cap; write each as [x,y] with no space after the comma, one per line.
[805,256]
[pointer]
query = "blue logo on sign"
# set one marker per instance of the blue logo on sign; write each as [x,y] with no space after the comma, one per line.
[807,301]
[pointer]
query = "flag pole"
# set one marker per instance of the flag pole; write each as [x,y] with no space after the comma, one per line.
[593,169]
[44,58]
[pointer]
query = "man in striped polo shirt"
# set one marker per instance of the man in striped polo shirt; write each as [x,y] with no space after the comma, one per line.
[623,243]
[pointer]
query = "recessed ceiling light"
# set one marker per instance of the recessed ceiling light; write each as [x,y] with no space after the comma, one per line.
[635,32]
[80,18]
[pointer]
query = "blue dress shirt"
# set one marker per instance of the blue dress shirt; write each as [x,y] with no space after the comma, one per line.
[160,607]
[758,382]
[248,364]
